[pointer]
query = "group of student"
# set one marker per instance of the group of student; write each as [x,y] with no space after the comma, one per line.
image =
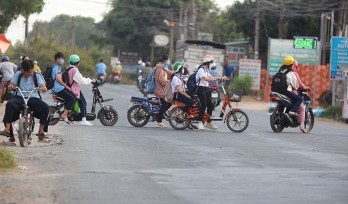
[175,78]
[27,79]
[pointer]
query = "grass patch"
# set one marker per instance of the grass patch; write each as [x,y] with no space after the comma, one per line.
[333,112]
[127,79]
[7,160]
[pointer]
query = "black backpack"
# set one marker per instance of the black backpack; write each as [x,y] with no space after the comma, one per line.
[192,83]
[279,83]
[65,77]
[47,75]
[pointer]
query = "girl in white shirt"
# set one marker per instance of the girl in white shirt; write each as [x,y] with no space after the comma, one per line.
[204,77]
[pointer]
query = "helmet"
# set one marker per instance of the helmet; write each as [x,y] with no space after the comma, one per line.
[118,62]
[5,59]
[178,66]
[289,60]
[213,67]
[208,59]
[74,59]
[148,64]
[35,62]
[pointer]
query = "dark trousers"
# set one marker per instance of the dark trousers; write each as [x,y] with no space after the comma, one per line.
[204,96]
[296,99]
[164,107]
[83,105]
[15,105]
[188,102]
[69,98]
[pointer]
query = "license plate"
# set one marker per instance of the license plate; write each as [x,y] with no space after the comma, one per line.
[214,95]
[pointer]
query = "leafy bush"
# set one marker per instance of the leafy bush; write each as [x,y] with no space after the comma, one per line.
[7,159]
[325,99]
[242,83]
[333,112]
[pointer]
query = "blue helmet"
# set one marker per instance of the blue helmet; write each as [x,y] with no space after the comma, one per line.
[5,59]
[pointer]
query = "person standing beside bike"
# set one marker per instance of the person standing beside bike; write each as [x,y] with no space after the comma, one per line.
[26,80]
[161,79]
[7,69]
[60,88]
[203,77]
[76,80]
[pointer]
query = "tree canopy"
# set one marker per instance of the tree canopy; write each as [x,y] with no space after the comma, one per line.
[10,10]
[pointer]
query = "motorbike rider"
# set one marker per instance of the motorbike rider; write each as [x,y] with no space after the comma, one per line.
[178,87]
[302,109]
[161,79]
[203,77]
[7,69]
[292,82]
[60,88]
[26,79]
[117,70]
[76,80]
[101,71]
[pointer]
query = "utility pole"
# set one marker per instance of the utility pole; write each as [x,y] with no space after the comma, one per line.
[26,41]
[193,19]
[185,22]
[73,37]
[257,31]
[281,21]
[171,35]
[181,26]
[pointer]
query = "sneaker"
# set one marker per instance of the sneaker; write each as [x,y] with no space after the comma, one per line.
[86,123]
[200,126]
[211,126]
[161,125]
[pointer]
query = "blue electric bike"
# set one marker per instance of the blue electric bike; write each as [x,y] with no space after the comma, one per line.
[143,110]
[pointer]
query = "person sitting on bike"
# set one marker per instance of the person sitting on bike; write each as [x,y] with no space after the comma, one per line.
[60,88]
[117,70]
[76,80]
[292,82]
[101,71]
[302,109]
[25,80]
[178,87]
[203,77]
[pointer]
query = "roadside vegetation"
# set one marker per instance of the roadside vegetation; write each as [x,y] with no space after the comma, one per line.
[7,160]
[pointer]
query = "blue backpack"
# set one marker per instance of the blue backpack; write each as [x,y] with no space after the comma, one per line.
[151,82]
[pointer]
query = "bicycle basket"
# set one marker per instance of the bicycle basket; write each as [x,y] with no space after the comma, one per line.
[234,96]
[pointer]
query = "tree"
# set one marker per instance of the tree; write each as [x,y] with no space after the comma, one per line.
[10,10]
[130,24]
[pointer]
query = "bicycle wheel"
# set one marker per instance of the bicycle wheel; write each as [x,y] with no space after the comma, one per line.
[137,117]
[176,122]
[108,117]
[237,121]
[22,132]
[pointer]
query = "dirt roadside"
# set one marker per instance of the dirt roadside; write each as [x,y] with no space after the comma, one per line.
[29,183]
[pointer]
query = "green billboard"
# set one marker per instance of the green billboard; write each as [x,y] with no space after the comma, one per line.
[280,48]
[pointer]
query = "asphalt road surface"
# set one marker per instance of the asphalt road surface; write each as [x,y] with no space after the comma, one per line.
[124,164]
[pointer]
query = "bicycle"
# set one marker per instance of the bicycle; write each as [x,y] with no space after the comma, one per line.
[236,119]
[26,120]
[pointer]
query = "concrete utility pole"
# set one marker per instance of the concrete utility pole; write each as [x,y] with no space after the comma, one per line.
[257,31]
[193,19]
[281,21]
[181,25]
[73,35]
[185,22]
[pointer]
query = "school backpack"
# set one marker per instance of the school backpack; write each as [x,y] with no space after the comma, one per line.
[168,94]
[279,83]
[192,83]
[65,77]
[47,75]
[151,82]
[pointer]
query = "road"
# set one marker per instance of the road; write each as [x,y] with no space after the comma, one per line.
[124,164]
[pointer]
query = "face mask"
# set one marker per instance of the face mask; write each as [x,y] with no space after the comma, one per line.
[62,62]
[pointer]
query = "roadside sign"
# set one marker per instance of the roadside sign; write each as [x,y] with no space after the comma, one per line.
[280,48]
[251,67]
[305,42]
[339,57]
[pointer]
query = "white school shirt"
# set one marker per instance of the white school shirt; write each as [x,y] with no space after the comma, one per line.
[201,73]
[176,81]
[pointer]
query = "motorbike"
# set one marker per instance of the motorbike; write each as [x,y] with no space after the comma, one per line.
[280,118]
[101,78]
[236,119]
[143,110]
[107,115]
[141,83]
[116,77]
[215,96]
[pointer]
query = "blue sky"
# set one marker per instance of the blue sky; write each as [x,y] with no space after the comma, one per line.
[71,7]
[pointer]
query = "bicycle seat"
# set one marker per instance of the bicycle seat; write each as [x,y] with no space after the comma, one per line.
[134,98]
[281,96]
[179,104]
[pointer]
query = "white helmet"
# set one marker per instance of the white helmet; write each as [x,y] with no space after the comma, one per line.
[208,59]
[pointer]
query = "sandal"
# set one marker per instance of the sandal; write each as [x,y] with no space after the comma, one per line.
[44,139]
[8,143]
[65,120]
[6,134]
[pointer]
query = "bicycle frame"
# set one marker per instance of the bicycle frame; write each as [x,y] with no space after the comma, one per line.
[98,98]
[26,99]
